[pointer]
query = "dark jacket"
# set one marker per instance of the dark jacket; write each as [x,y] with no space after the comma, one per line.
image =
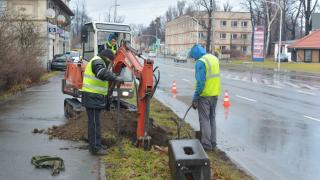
[93,100]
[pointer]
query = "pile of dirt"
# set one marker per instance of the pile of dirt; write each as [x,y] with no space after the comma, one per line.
[76,129]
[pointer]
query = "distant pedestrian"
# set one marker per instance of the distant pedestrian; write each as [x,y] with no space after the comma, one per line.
[94,91]
[207,74]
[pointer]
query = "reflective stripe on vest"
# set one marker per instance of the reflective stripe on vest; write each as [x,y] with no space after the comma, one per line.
[112,48]
[91,83]
[212,84]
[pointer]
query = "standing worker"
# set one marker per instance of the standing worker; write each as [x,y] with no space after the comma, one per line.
[207,74]
[94,91]
[112,42]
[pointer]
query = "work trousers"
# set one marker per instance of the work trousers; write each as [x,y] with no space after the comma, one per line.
[207,113]
[94,129]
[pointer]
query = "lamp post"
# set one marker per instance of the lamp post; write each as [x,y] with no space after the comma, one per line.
[280,31]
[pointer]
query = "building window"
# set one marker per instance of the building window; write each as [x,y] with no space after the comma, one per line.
[222,47]
[233,47]
[234,36]
[244,23]
[234,23]
[223,35]
[244,36]
[223,23]
[307,55]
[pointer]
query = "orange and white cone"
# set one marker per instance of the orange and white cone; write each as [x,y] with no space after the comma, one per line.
[226,104]
[226,100]
[174,87]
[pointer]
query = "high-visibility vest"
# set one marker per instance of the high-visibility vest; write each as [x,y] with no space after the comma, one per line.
[91,83]
[212,85]
[112,48]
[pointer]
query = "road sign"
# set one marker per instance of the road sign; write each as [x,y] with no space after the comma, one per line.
[258,44]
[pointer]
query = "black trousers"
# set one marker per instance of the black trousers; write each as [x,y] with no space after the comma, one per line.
[94,129]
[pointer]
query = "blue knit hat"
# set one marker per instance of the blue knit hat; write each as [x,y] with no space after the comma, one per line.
[197,51]
[112,36]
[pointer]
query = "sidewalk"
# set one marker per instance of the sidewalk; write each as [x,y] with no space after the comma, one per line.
[39,107]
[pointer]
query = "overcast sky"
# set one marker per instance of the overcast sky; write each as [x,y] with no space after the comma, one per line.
[138,11]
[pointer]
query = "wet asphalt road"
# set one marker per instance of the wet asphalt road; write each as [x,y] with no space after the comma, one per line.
[273,126]
[39,107]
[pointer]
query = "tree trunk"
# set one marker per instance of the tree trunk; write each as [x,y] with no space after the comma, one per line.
[307,18]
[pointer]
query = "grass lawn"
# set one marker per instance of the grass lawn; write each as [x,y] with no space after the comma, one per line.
[291,66]
[129,162]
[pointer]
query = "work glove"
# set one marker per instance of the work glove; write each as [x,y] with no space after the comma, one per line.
[119,80]
[194,104]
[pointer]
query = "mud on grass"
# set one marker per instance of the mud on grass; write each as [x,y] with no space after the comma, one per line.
[125,161]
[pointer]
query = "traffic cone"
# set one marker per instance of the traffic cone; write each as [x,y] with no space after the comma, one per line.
[226,100]
[174,87]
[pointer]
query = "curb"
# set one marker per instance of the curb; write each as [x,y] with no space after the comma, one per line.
[102,170]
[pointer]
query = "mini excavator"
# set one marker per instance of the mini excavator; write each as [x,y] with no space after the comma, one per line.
[137,71]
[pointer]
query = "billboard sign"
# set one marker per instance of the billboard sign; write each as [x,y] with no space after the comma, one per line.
[258,44]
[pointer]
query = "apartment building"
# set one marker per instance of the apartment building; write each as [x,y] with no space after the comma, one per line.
[232,32]
[56,35]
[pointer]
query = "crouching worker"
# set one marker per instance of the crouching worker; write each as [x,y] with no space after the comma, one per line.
[94,90]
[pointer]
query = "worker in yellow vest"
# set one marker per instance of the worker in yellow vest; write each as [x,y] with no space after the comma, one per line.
[112,42]
[94,91]
[207,74]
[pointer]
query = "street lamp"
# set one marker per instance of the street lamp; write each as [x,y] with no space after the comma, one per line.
[279,45]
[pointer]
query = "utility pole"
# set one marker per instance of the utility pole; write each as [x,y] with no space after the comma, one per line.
[115,10]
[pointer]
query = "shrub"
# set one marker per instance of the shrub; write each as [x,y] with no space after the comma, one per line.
[20,51]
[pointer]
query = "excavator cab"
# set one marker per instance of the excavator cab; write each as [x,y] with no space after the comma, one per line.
[94,38]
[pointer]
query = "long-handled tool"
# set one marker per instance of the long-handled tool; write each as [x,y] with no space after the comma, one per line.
[179,123]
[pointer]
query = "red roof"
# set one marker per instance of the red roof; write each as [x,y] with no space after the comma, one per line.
[311,41]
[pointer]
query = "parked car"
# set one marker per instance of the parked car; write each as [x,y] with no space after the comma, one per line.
[59,62]
[74,55]
[283,58]
[180,57]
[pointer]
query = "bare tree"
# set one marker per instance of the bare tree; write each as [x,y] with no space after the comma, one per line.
[308,9]
[227,7]
[180,7]
[210,6]
[80,18]
[291,22]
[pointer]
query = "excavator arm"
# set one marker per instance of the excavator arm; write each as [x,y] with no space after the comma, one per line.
[143,71]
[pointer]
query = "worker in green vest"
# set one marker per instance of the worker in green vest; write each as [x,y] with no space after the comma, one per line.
[112,42]
[94,91]
[207,74]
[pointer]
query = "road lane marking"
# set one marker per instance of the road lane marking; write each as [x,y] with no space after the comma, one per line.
[274,86]
[187,80]
[291,84]
[307,86]
[312,118]
[245,78]
[305,92]
[242,97]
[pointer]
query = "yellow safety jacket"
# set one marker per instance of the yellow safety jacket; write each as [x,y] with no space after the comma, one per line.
[92,84]
[212,85]
[112,48]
